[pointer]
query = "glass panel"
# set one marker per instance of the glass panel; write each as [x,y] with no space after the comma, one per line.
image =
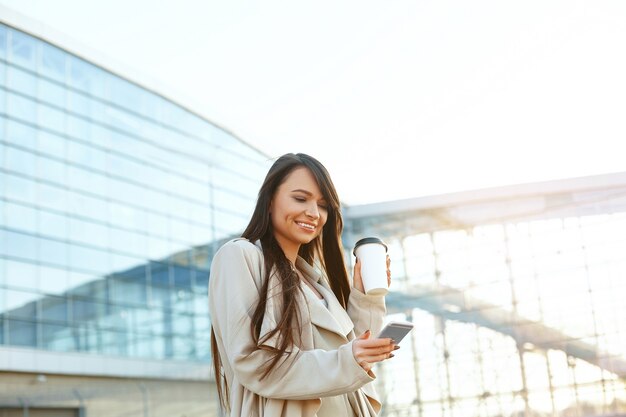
[51,93]
[129,242]
[86,77]
[158,248]
[52,119]
[53,280]
[52,62]
[87,285]
[82,179]
[3,41]
[22,49]
[85,311]
[20,189]
[53,197]
[54,309]
[21,108]
[121,263]
[127,217]
[58,337]
[53,252]
[22,333]
[80,153]
[125,93]
[231,202]
[20,161]
[50,144]
[88,259]
[78,128]
[22,81]
[21,218]
[88,206]
[84,231]
[21,134]
[229,224]
[125,291]
[21,274]
[51,170]
[19,245]
[21,303]
[79,104]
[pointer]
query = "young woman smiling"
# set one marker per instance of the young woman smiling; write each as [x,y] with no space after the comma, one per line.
[290,331]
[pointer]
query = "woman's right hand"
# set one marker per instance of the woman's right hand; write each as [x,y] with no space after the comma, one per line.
[368,351]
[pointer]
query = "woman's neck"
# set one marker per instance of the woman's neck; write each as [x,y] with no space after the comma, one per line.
[290,250]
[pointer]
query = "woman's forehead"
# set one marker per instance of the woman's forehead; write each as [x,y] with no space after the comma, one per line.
[301,179]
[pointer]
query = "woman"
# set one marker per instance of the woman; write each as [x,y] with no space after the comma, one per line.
[285,318]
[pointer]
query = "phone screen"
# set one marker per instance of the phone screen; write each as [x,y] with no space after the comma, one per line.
[396,331]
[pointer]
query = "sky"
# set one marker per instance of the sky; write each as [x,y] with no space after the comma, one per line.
[398,99]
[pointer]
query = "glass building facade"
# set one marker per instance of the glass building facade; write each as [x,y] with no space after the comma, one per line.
[518,303]
[112,200]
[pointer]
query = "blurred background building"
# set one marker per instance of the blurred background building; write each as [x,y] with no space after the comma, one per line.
[113,199]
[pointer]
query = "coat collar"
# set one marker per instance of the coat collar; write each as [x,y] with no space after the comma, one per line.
[334,317]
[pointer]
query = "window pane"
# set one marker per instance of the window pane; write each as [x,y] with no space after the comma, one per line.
[21,274]
[53,225]
[20,303]
[22,49]
[20,161]
[52,280]
[21,134]
[88,259]
[84,231]
[21,108]
[19,245]
[52,62]
[22,333]
[53,252]
[22,82]
[3,41]
[52,170]
[88,206]
[58,337]
[53,197]
[21,218]
[52,119]
[51,144]
[51,93]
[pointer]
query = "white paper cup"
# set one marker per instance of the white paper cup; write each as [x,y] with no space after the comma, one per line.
[372,252]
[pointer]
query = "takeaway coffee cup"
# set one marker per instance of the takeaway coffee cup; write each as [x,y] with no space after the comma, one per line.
[372,252]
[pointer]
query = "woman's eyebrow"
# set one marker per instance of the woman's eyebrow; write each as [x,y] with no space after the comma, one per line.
[302,191]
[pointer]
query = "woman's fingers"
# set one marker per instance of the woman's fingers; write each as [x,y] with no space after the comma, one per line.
[372,350]
[356,278]
[388,270]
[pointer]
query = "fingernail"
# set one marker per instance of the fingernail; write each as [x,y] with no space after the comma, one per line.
[396,347]
[391,355]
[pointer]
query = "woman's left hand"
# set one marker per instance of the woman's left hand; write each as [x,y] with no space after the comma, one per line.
[358,280]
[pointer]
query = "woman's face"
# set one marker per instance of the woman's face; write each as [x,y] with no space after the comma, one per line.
[298,210]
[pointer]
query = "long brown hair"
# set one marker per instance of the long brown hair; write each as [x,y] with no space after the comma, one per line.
[326,249]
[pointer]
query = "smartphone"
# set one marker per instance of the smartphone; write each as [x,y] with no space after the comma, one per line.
[396,330]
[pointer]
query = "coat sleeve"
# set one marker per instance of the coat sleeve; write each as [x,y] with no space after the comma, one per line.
[301,374]
[367,312]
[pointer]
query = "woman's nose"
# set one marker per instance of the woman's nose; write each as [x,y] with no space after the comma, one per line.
[313,211]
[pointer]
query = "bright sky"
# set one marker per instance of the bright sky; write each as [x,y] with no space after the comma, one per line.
[398,99]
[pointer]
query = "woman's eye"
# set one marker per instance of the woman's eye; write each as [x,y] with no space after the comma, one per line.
[300,199]
[323,206]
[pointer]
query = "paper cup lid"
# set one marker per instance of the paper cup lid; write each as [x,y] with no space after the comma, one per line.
[367,240]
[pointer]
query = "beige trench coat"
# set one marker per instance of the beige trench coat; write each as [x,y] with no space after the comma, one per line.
[321,377]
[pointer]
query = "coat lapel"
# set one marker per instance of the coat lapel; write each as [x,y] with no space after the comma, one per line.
[333,318]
